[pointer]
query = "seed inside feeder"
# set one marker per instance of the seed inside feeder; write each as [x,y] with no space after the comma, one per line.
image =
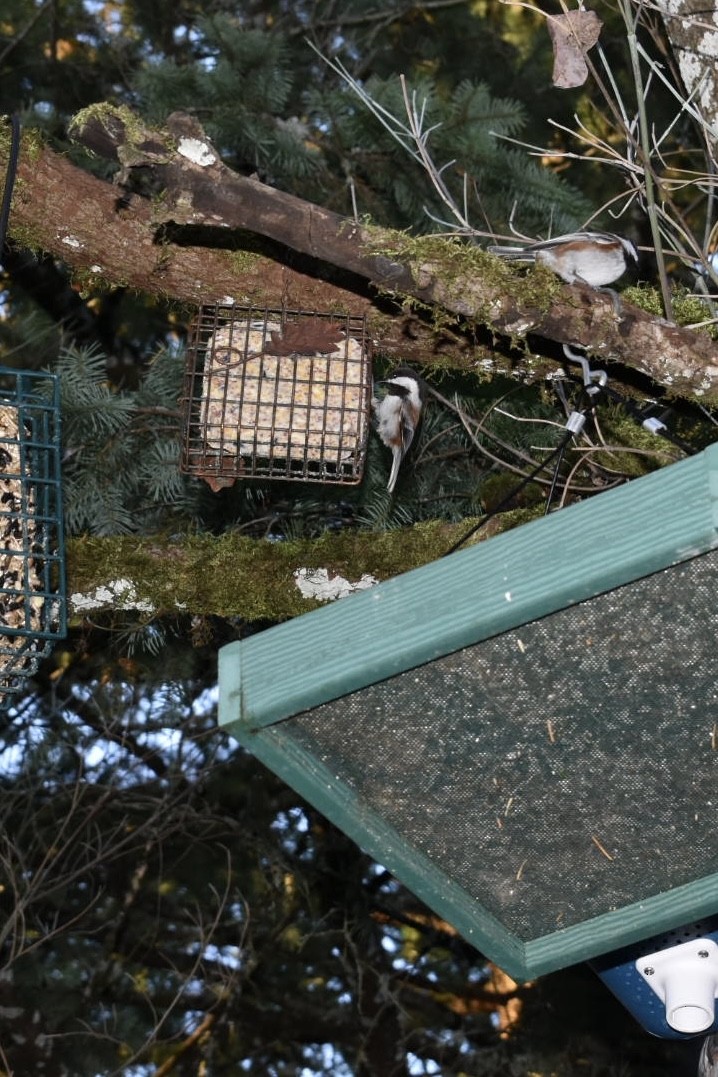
[276,393]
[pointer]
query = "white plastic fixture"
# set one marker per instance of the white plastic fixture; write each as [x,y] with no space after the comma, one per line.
[685,978]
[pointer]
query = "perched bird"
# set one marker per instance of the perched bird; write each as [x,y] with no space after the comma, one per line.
[398,414]
[595,258]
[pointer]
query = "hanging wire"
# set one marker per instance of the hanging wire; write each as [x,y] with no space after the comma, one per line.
[555,476]
[594,384]
[556,454]
[10,174]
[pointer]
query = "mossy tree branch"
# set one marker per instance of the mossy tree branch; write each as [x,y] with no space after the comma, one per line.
[233,576]
[67,211]
[462,281]
[282,250]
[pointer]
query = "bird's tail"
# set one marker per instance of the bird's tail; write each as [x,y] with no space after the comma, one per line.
[517,254]
[394,473]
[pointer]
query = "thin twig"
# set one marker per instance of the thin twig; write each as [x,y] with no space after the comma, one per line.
[644,135]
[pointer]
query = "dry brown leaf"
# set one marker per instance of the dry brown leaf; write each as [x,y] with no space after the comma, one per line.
[572,35]
[305,338]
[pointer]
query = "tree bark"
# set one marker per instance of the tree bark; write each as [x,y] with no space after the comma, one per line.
[109,239]
[233,576]
[138,241]
[691,27]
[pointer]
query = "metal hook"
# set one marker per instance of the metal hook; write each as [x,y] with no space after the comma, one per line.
[593,380]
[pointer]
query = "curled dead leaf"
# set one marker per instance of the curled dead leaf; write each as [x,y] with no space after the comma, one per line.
[572,35]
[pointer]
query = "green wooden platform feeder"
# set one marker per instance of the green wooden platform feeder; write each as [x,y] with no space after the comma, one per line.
[525,732]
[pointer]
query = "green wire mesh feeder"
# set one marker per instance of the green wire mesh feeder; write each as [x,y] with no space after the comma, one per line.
[33,609]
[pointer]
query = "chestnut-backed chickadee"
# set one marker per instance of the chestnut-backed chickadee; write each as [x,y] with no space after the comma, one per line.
[595,258]
[398,414]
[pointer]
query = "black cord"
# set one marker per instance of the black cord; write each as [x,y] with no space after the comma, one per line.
[637,413]
[577,413]
[556,454]
[640,415]
[554,477]
[10,174]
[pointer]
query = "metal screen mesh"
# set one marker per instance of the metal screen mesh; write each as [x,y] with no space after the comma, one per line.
[558,771]
[276,394]
[32,574]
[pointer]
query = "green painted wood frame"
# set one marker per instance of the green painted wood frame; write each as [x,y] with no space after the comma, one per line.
[596,546]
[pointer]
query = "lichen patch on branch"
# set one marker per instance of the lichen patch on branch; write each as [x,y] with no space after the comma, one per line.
[318,584]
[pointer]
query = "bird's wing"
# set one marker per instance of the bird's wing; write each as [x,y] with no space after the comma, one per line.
[408,428]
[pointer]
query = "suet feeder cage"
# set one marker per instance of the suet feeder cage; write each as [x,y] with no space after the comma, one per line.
[276,394]
[32,572]
[525,732]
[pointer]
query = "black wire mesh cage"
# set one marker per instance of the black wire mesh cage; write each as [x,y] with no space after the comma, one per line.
[276,394]
[33,609]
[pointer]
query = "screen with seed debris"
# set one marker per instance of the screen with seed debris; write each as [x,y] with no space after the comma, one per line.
[558,771]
